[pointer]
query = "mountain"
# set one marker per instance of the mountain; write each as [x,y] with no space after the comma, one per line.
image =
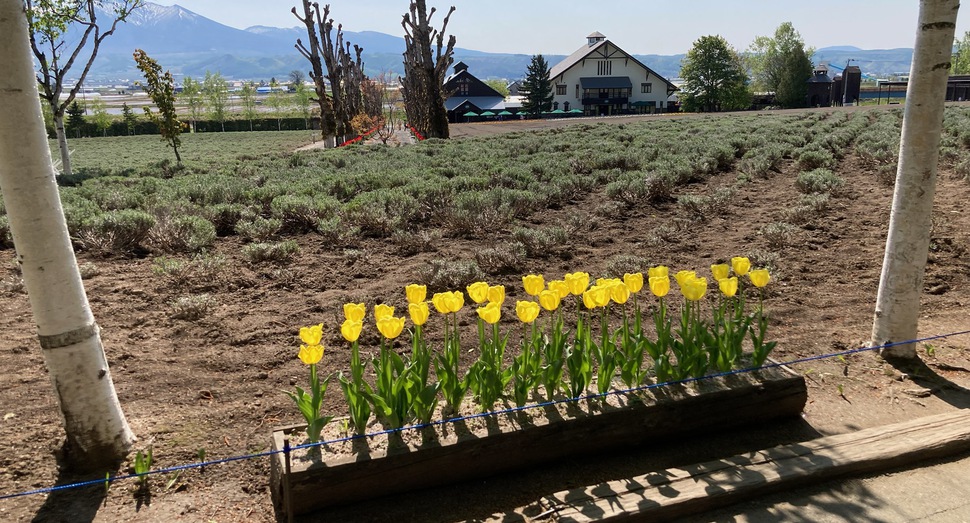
[190,44]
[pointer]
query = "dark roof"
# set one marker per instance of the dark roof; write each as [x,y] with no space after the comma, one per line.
[587,50]
[479,103]
[606,82]
[820,79]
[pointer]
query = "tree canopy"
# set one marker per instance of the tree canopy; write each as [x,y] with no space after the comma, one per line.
[537,87]
[961,55]
[781,64]
[161,89]
[714,77]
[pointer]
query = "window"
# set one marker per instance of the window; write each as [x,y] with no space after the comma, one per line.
[561,90]
[577,91]
[565,106]
[555,105]
[646,88]
[464,86]
[604,68]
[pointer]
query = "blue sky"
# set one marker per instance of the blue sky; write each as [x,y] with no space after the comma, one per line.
[639,26]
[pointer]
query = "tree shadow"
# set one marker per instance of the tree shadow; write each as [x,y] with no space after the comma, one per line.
[79,504]
[924,376]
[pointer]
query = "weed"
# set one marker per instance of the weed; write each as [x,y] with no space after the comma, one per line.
[88,270]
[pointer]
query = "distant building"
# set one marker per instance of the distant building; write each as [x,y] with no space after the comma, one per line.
[470,95]
[820,88]
[600,79]
[847,87]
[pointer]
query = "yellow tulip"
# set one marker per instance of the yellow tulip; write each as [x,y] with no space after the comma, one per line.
[577,282]
[419,312]
[527,311]
[633,282]
[683,276]
[440,301]
[382,311]
[549,299]
[456,301]
[560,287]
[416,293]
[600,295]
[496,294]
[490,313]
[478,291]
[619,292]
[533,283]
[312,335]
[720,271]
[694,289]
[759,277]
[588,300]
[355,311]
[741,265]
[390,326]
[659,271]
[351,330]
[311,354]
[729,286]
[659,285]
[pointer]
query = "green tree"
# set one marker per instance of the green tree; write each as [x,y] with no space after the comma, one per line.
[129,117]
[537,87]
[302,101]
[248,97]
[961,55]
[297,77]
[56,52]
[278,102]
[100,116]
[192,97]
[714,77]
[75,118]
[161,89]
[498,85]
[216,92]
[781,64]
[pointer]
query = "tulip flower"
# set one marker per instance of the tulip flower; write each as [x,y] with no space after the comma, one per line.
[549,299]
[741,265]
[350,330]
[600,295]
[527,311]
[312,335]
[390,327]
[419,312]
[455,301]
[619,292]
[496,294]
[416,293]
[490,313]
[355,311]
[312,354]
[588,300]
[659,271]
[633,282]
[577,282]
[759,277]
[478,291]
[659,285]
[720,271]
[440,301]
[533,283]
[729,286]
[683,276]
[560,287]
[694,289]
[382,311]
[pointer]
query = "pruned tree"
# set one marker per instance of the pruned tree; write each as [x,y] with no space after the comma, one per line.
[161,89]
[423,85]
[908,241]
[332,62]
[98,435]
[57,53]
[537,88]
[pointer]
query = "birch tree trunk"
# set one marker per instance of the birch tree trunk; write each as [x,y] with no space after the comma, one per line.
[907,246]
[62,142]
[98,436]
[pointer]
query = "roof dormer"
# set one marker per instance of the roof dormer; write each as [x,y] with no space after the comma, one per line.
[595,38]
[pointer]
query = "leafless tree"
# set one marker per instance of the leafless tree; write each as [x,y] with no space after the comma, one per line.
[423,84]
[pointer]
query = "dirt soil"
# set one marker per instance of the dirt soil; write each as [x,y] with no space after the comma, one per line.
[216,383]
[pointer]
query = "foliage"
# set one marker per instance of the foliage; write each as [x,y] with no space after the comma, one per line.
[161,89]
[75,118]
[714,77]
[781,64]
[498,85]
[215,91]
[537,87]
[961,55]
[192,97]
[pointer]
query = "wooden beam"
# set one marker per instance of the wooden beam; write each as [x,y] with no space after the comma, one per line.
[695,489]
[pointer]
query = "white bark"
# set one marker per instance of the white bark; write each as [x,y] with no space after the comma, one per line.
[907,246]
[62,144]
[98,435]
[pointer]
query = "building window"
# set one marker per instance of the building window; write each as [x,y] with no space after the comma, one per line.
[604,68]
[565,106]
[555,106]
[561,90]
[577,91]
[646,88]
[464,86]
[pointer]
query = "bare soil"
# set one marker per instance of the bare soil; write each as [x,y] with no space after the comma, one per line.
[215,383]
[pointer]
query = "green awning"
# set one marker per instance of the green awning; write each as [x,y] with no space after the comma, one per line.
[558,111]
[487,113]
[470,113]
[505,113]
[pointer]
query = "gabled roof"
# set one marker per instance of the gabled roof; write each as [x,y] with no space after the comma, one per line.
[596,34]
[482,103]
[587,50]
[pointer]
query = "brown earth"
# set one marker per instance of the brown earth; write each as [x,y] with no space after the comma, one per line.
[216,383]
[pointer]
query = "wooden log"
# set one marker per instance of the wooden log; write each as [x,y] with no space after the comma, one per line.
[463,451]
[686,491]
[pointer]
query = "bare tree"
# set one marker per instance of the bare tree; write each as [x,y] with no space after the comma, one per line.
[907,246]
[49,21]
[98,436]
[344,69]
[424,81]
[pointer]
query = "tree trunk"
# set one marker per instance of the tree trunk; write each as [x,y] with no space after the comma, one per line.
[62,142]
[907,246]
[98,436]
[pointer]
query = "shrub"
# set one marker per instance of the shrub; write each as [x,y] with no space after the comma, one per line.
[815,158]
[116,231]
[88,270]
[476,212]
[446,275]
[809,207]
[381,212]
[336,231]
[818,181]
[302,213]
[193,307]
[626,263]
[638,188]
[779,234]
[504,258]
[183,234]
[410,243]
[542,241]
[6,239]
[224,216]
[258,229]
[279,252]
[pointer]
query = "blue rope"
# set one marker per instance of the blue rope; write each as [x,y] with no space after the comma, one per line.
[481,415]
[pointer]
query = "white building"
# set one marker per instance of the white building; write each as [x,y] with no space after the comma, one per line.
[601,80]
